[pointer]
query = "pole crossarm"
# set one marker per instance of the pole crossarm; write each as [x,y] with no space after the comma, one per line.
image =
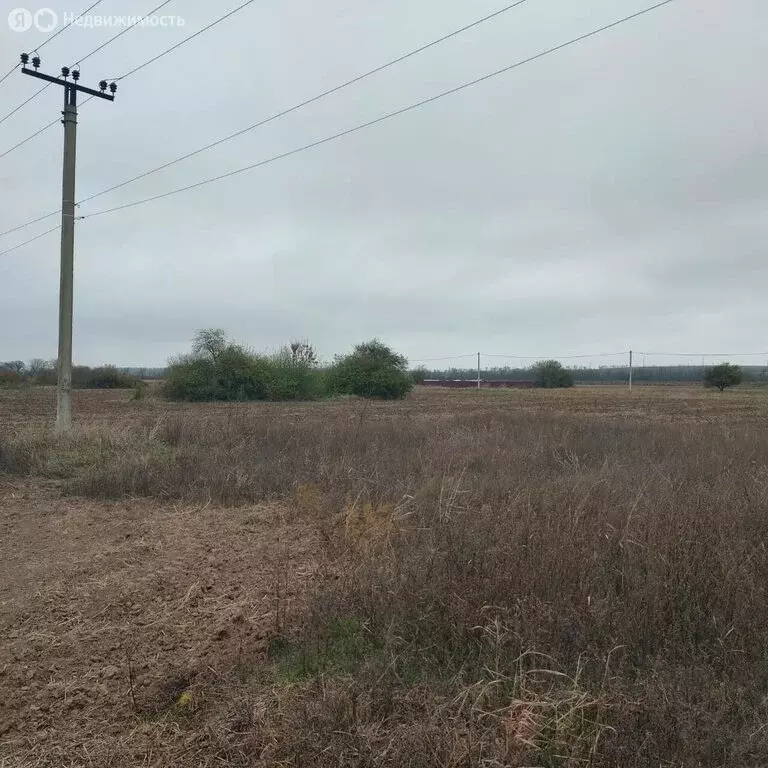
[68,84]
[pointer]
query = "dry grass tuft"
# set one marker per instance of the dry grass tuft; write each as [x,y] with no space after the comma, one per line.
[367,522]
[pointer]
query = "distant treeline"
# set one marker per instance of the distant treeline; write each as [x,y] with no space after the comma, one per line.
[604,375]
[43,372]
[145,373]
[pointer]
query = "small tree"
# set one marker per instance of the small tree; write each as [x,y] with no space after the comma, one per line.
[44,374]
[722,376]
[372,370]
[419,374]
[302,352]
[209,343]
[550,374]
[36,366]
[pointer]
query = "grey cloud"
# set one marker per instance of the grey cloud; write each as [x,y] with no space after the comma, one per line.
[607,196]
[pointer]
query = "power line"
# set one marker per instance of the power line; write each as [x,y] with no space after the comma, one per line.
[135,69]
[343,85]
[602,354]
[383,118]
[305,103]
[66,26]
[705,354]
[348,131]
[24,103]
[121,33]
[439,359]
[8,73]
[28,223]
[289,110]
[122,77]
[83,58]
[55,34]
[29,138]
[186,40]
[31,240]
[598,354]
[558,357]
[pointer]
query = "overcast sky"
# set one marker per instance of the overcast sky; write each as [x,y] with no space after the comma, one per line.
[609,196]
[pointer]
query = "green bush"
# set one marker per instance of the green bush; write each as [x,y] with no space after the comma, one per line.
[372,370]
[722,376]
[107,377]
[292,379]
[550,374]
[240,375]
[235,374]
[188,378]
[219,370]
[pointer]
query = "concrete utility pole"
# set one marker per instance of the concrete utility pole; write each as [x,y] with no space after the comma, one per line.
[71,87]
[630,370]
[478,370]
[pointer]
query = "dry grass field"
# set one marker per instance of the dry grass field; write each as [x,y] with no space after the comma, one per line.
[464,579]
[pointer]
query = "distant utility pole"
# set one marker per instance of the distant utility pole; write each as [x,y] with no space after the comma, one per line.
[71,87]
[478,370]
[630,370]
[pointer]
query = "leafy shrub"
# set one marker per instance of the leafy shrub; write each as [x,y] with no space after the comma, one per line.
[419,374]
[550,374]
[220,370]
[108,377]
[234,375]
[372,370]
[240,375]
[189,378]
[722,376]
[293,376]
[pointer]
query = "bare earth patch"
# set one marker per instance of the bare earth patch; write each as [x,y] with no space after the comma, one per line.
[111,613]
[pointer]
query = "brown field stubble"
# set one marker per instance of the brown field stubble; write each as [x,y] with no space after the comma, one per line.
[463,579]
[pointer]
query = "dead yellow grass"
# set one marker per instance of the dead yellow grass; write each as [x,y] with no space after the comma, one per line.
[464,579]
